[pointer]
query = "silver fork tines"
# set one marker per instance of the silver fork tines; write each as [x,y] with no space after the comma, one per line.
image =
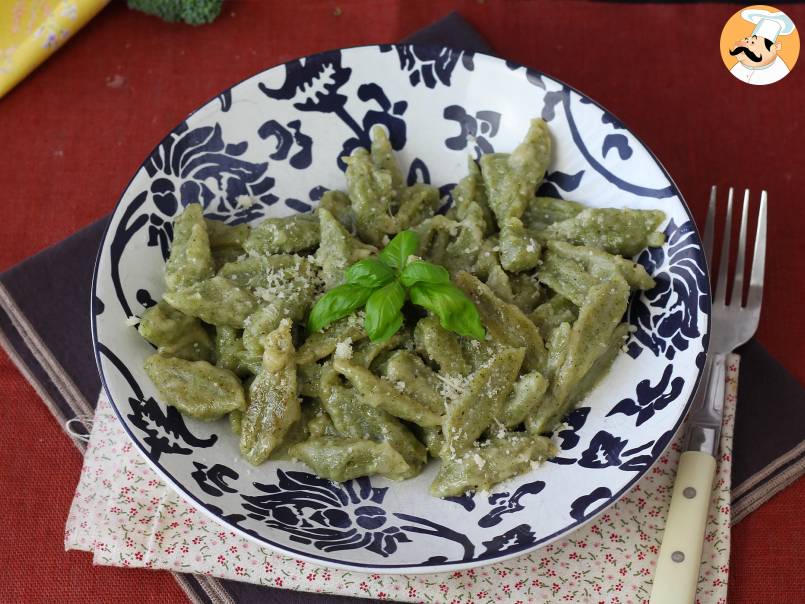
[732,322]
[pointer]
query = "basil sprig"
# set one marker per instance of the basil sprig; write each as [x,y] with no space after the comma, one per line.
[383,284]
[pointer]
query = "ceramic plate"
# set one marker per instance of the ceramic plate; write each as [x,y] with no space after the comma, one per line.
[277,137]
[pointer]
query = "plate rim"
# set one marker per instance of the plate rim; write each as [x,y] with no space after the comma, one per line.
[425,568]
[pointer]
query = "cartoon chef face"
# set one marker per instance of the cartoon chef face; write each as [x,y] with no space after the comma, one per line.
[755,51]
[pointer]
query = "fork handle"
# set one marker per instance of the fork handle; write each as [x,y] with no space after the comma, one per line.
[677,573]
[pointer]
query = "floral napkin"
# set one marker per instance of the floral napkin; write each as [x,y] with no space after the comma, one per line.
[127,516]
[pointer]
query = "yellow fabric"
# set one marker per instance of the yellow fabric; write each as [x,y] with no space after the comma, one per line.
[31,30]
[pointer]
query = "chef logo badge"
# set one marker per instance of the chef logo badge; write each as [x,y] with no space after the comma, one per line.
[759,45]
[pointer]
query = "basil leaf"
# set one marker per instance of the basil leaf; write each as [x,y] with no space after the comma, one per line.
[383,316]
[455,310]
[337,304]
[396,253]
[369,273]
[420,271]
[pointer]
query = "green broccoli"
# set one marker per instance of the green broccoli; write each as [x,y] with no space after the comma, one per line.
[194,12]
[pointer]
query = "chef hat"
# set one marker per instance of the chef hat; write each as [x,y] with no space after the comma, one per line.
[767,24]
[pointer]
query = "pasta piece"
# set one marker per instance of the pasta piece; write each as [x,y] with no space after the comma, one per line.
[488,257]
[257,327]
[589,338]
[469,197]
[287,280]
[190,259]
[297,433]
[418,202]
[488,387]
[308,376]
[367,351]
[617,231]
[217,301]
[321,425]
[435,234]
[567,277]
[373,196]
[549,315]
[526,395]
[440,346]
[175,334]
[377,392]
[195,388]
[338,249]
[383,157]
[228,348]
[287,235]
[480,468]
[462,252]
[354,419]
[322,343]
[505,324]
[337,203]
[273,402]
[433,439]
[499,282]
[603,265]
[409,374]
[519,251]
[525,291]
[599,368]
[338,458]
[557,349]
[236,421]
[224,255]
[541,212]
[512,180]
[223,235]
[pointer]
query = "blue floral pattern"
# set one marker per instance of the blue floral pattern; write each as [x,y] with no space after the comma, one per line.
[430,65]
[650,399]
[277,139]
[666,317]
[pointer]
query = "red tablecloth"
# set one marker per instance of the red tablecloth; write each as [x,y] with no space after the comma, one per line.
[72,134]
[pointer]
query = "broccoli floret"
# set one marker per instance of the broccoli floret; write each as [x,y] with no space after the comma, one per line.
[194,12]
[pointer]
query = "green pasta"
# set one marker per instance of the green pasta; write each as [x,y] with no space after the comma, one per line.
[482,467]
[195,388]
[273,401]
[339,458]
[482,402]
[175,334]
[250,328]
[190,259]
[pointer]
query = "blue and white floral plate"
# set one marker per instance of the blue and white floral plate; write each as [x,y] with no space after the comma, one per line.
[277,137]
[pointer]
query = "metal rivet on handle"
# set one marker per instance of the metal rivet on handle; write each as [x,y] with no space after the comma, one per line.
[678,556]
[689,492]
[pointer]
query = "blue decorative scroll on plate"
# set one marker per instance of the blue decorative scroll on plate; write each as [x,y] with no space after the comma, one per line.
[276,140]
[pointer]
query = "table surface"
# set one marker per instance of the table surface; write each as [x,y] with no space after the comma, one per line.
[76,129]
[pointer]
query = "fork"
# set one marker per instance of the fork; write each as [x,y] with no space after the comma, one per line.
[732,324]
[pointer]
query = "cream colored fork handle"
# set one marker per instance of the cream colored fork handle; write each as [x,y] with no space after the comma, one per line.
[677,571]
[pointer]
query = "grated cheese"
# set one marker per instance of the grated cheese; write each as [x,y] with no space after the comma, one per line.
[245,201]
[343,349]
[132,321]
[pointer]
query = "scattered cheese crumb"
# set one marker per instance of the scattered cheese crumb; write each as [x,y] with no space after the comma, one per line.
[530,248]
[453,386]
[479,461]
[400,386]
[245,201]
[343,350]
[132,321]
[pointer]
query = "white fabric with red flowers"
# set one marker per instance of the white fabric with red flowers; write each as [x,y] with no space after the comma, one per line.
[126,516]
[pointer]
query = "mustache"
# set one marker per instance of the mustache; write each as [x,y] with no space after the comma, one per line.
[751,56]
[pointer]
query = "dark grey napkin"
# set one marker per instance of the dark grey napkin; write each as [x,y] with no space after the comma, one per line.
[54,351]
